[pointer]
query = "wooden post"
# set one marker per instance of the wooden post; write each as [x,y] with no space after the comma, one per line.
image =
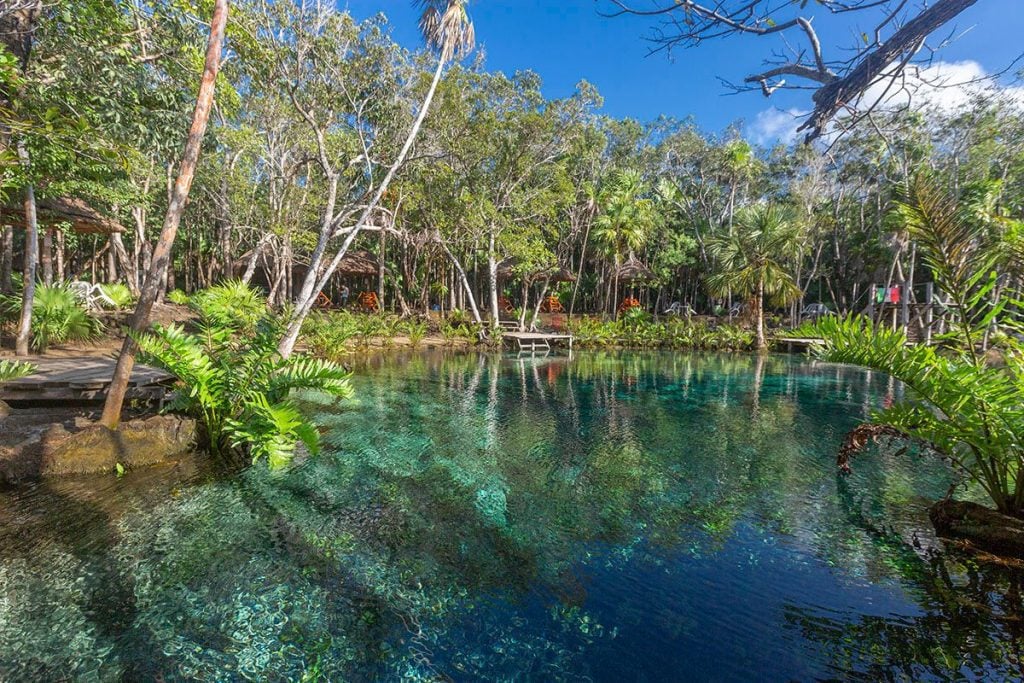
[871,302]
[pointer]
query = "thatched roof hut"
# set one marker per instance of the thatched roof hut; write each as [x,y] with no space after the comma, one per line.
[633,270]
[358,263]
[53,212]
[557,274]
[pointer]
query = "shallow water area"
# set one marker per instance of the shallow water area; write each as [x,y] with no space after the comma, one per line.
[609,516]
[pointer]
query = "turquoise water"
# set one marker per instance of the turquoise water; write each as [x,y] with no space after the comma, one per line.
[642,517]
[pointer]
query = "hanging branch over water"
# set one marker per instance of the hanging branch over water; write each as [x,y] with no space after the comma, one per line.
[897,39]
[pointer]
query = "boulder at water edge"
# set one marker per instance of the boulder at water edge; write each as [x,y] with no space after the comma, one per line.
[136,443]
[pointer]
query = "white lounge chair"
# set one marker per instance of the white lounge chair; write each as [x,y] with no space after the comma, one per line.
[90,295]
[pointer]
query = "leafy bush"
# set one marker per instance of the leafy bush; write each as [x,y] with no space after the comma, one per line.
[57,316]
[231,304]
[328,333]
[969,413]
[236,383]
[635,328]
[119,294]
[960,406]
[12,369]
[416,331]
[178,297]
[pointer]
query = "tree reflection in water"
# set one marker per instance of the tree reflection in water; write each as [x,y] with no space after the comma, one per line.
[610,515]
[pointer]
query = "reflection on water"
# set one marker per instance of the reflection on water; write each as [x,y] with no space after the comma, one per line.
[609,517]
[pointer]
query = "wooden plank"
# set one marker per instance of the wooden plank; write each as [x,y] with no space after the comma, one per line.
[82,378]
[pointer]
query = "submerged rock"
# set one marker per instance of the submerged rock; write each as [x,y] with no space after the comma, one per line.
[982,527]
[93,448]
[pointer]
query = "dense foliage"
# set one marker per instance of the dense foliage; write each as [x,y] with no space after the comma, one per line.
[504,193]
[964,406]
[58,316]
[235,382]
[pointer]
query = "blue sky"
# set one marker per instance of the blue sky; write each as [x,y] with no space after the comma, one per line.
[567,40]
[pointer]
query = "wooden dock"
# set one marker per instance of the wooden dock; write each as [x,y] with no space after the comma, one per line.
[795,343]
[537,341]
[83,379]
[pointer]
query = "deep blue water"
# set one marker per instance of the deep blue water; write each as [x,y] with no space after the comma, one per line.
[609,517]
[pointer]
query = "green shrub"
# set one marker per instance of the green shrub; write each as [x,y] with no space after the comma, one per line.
[119,294]
[231,303]
[178,297]
[637,329]
[328,333]
[57,316]
[12,369]
[236,383]
[416,331]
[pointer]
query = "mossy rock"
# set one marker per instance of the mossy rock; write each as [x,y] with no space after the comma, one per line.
[94,449]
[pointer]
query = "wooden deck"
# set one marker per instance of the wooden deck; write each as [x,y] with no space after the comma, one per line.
[83,379]
[537,341]
[795,343]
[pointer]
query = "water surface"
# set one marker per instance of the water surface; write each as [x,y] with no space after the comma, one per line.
[610,517]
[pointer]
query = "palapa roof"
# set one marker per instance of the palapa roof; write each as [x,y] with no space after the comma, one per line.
[557,274]
[633,269]
[359,262]
[52,212]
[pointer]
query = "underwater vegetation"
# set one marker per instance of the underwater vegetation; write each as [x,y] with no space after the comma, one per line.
[480,516]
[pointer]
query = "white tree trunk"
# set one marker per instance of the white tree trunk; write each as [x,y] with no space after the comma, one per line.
[308,294]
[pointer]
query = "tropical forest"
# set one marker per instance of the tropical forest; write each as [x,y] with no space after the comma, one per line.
[430,340]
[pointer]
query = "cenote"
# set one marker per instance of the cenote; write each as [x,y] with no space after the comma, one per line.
[634,516]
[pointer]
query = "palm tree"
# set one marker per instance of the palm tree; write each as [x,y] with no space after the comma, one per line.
[752,260]
[447,28]
[626,219]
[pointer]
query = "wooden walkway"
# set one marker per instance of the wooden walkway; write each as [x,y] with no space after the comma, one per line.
[537,341]
[85,378]
[795,343]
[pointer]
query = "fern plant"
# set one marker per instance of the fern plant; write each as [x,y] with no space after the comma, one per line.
[235,382]
[961,406]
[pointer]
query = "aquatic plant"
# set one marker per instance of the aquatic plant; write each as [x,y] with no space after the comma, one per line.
[236,383]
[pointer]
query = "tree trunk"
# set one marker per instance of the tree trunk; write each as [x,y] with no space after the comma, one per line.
[31,251]
[157,275]
[46,257]
[59,255]
[762,344]
[492,278]
[307,298]
[463,278]
[6,258]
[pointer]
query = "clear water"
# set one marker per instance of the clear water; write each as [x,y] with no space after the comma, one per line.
[641,517]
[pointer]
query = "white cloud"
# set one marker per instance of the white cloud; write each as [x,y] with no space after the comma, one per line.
[946,87]
[775,125]
[943,86]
